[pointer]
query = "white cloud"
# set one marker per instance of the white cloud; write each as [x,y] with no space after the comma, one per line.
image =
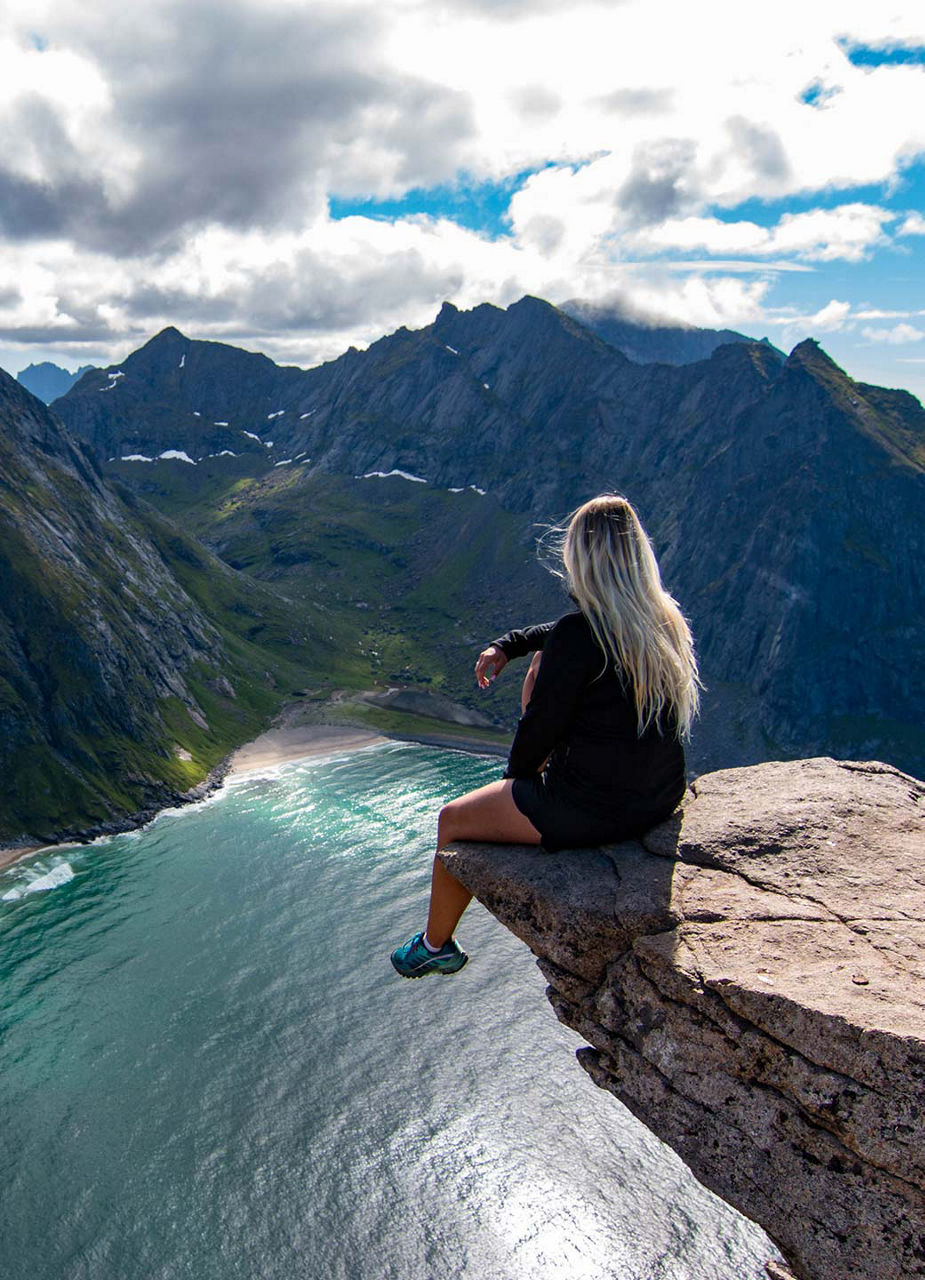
[169,163]
[899,334]
[849,232]
[832,316]
[305,297]
[875,313]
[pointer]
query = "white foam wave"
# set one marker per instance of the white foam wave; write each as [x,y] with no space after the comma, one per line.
[58,875]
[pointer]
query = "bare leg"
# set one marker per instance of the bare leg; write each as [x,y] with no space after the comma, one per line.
[486,814]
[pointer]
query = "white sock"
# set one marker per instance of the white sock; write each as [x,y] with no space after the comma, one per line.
[430,946]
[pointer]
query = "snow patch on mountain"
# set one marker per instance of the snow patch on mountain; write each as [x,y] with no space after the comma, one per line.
[384,475]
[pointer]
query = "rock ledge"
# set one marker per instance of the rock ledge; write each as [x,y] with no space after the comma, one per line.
[751,980]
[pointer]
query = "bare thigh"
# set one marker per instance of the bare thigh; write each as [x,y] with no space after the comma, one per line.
[486,814]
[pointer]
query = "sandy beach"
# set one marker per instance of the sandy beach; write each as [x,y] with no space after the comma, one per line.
[295,742]
[13,852]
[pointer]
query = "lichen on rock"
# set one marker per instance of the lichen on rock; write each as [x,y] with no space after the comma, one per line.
[750,978]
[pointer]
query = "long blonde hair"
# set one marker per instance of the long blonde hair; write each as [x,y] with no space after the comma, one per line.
[613,577]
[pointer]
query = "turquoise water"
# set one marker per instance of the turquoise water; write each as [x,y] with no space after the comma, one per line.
[209,1070]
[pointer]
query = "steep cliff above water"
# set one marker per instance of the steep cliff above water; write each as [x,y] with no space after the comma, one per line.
[751,978]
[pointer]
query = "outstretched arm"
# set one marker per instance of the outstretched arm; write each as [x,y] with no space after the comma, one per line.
[513,644]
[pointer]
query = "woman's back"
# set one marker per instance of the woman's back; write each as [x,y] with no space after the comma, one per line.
[582,715]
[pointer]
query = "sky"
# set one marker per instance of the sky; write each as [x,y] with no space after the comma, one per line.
[298,178]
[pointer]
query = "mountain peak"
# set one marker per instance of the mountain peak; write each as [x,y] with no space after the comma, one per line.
[530,303]
[810,356]
[806,347]
[171,334]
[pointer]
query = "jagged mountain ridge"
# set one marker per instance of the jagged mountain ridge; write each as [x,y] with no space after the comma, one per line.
[785,499]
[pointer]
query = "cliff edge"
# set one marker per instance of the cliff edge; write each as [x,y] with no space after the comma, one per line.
[751,980]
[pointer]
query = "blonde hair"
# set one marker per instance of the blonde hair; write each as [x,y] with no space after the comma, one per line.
[613,576]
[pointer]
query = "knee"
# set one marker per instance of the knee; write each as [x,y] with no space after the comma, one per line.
[448,821]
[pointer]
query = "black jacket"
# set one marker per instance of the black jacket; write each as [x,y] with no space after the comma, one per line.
[582,716]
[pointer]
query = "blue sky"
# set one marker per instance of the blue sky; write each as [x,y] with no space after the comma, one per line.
[298,179]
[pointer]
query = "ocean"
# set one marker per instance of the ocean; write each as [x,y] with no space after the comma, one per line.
[208,1068]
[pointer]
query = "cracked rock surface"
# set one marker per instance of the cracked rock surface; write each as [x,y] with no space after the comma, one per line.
[751,980]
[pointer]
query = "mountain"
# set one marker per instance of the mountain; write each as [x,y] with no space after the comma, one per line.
[173,393]
[131,660]
[654,343]
[785,501]
[48,381]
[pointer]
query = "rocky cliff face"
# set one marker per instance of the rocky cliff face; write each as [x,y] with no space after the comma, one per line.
[786,501]
[121,683]
[751,981]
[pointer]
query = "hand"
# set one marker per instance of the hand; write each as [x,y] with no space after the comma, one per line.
[491,662]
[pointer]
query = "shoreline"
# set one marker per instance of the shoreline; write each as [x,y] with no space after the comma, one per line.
[282,744]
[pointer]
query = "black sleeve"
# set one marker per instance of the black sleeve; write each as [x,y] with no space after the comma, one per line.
[568,666]
[514,644]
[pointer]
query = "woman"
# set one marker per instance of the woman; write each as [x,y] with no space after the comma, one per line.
[597,756]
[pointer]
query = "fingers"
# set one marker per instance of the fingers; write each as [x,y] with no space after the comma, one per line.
[489,663]
[484,669]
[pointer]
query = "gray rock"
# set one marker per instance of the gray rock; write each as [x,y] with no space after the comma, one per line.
[751,981]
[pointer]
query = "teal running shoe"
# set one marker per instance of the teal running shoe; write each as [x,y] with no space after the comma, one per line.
[413,960]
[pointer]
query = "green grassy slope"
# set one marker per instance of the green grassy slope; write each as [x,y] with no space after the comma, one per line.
[407,582]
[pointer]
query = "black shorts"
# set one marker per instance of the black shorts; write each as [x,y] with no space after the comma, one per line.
[565,823]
